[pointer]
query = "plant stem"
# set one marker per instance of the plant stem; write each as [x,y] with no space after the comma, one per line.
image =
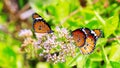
[70,63]
[99,18]
[104,55]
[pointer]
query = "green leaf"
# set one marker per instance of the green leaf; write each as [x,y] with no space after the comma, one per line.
[42,65]
[101,42]
[62,12]
[7,57]
[81,61]
[22,3]
[60,65]
[88,14]
[94,24]
[95,64]
[115,52]
[52,10]
[111,25]
[72,62]
[1,6]
[88,63]
[115,64]
[94,58]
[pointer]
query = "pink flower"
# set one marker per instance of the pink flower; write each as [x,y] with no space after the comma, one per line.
[40,35]
[25,33]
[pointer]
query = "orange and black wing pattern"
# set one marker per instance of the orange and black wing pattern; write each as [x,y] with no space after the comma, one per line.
[98,32]
[40,25]
[35,16]
[89,45]
[79,37]
[86,31]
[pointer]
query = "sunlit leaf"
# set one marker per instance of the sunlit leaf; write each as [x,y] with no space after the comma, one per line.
[94,24]
[42,65]
[10,57]
[111,25]
[60,65]
[115,52]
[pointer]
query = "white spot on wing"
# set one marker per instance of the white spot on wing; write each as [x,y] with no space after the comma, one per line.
[39,18]
[93,32]
[84,30]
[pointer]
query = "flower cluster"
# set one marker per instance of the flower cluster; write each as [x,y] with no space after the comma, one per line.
[54,47]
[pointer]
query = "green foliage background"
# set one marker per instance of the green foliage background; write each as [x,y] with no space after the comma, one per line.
[58,13]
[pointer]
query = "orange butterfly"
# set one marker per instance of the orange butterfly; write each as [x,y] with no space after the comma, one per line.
[79,36]
[40,25]
[86,39]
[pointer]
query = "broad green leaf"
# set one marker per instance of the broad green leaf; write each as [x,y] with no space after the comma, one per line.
[95,64]
[94,58]
[87,13]
[115,52]
[115,64]
[72,24]
[52,10]
[63,12]
[111,25]
[94,24]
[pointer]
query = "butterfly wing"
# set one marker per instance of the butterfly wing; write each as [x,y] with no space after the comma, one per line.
[86,31]
[41,27]
[92,36]
[97,32]
[79,37]
[35,15]
[89,45]
[39,24]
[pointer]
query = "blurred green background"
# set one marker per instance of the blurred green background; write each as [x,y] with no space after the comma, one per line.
[71,14]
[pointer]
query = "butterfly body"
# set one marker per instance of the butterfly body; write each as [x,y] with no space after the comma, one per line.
[90,39]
